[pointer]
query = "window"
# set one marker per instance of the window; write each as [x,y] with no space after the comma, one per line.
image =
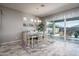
[56,29]
[72,29]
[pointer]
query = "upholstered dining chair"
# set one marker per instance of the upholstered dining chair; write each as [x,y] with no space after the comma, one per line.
[25,39]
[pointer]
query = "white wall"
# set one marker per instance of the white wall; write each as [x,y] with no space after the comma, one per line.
[0,25]
[12,25]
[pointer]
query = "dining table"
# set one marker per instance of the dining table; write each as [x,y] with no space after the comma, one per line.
[32,38]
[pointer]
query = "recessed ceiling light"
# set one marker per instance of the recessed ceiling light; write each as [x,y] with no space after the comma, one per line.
[42,5]
[37,8]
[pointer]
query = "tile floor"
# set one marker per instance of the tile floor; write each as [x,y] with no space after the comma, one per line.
[53,48]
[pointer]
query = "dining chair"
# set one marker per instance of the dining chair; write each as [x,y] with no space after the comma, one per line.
[25,38]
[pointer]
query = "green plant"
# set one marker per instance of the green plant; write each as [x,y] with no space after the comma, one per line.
[76,34]
[40,27]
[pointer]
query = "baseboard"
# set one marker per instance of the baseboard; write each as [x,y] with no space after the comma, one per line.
[10,42]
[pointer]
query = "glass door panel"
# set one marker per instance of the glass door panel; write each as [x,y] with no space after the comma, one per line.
[72,29]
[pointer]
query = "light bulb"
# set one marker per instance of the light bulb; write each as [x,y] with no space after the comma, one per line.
[32,20]
[39,21]
[25,19]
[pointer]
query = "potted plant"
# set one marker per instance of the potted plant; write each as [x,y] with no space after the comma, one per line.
[40,28]
[76,34]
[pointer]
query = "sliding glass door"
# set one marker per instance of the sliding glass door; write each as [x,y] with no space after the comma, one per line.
[64,29]
[72,29]
[58,29]
[55,29]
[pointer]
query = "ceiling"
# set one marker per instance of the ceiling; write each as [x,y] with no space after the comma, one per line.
[40,9]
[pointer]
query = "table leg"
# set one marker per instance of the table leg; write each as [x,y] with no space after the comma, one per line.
[28,42]
[32,42]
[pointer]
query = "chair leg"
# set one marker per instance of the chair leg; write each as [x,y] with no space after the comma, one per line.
[28,42]
[32,42]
